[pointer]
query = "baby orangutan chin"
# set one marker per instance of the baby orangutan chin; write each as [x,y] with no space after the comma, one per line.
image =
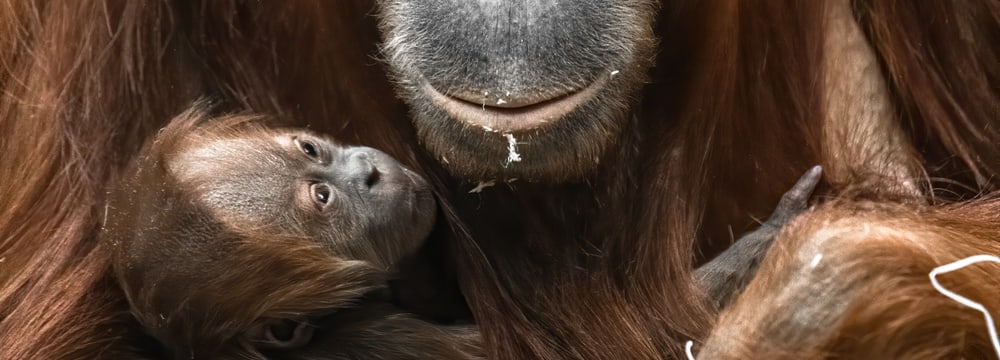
[233,240]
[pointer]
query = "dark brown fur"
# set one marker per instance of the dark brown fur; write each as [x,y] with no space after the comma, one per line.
[598,268]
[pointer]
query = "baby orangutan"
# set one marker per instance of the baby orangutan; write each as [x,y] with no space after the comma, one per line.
[232,240]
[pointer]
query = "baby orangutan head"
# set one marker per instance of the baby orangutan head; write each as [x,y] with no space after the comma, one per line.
[232,239]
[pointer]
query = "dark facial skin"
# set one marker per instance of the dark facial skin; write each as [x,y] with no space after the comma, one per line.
[555,79]
[234,240]
[357,201]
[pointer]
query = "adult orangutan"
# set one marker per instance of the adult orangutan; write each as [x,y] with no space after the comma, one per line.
[630,170]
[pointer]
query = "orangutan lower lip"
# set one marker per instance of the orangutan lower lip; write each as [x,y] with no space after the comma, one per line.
[509,119]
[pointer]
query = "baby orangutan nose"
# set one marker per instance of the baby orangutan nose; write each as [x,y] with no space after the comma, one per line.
[362,166]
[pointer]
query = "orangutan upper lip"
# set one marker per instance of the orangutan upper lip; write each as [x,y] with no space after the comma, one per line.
[508,119]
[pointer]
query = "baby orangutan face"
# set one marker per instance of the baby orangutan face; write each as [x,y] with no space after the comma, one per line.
[357,202]
[231,239]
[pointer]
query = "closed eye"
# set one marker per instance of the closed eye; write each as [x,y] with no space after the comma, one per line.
[281,334]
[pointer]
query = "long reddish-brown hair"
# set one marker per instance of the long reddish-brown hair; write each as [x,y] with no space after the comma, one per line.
[734,104]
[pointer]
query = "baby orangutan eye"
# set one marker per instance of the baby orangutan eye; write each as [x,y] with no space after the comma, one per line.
[321,194]
[307,147]
[281,334]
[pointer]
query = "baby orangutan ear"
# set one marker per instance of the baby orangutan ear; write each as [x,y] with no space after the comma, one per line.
[280,334]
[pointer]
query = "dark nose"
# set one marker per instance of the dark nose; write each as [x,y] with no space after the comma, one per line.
[360,167]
